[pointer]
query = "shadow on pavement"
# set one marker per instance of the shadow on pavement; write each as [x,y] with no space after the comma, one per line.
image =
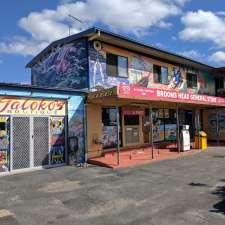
[219,207]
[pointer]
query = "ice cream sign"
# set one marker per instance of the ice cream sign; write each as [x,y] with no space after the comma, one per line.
[151,94]
[17,106]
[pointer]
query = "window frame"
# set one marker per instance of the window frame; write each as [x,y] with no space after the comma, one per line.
[117,66]
[159,77]
[190,82]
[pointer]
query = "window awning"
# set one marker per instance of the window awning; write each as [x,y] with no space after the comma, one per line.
[134,92]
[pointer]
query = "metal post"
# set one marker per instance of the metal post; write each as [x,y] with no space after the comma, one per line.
[118,133]
[217,127]
[151,131]
[178,128]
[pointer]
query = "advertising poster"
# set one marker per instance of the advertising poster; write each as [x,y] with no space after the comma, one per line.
[57,140]
[4,144]
[109,137]
[170,132]
[158,132]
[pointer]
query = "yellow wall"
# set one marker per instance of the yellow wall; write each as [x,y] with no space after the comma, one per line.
[94,129]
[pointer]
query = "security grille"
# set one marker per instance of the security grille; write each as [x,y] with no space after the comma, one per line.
[21,142]
[41,141]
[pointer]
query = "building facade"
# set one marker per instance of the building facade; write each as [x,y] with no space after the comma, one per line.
[127,80]
[40,127]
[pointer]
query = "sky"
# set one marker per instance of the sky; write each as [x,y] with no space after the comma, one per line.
[193,28]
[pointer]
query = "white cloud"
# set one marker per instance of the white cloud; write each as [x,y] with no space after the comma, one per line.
[218,58]
[22,46]
[193,54]
[131,16]
[203,25]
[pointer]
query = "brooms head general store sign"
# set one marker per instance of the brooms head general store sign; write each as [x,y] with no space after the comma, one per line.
[130,91]
[17,106]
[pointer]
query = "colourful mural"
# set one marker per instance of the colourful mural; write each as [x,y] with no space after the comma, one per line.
[4,144]
[65,67]
[57,130]
[109,136]
[76,129]
[141,72]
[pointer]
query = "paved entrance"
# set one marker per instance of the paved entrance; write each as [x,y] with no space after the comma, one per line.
[183,191]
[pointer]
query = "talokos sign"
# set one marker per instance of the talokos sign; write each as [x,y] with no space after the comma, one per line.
[129,91]
[14,106]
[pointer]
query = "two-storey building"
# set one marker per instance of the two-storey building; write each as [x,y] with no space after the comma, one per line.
[138,94]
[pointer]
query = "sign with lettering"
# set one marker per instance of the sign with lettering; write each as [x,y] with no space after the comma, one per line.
[134,92]
[133,111]
[18,106]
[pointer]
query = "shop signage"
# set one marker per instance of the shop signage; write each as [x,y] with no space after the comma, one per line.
[17,106]
[133,111]
[103,93]
[134,92]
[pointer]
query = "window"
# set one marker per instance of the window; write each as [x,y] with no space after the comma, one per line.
[131,120]
[2,125]
[160,74]
[191,80]
[219,83]
[109,116]
[116,65]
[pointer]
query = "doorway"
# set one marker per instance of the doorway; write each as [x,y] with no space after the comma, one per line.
[36,142]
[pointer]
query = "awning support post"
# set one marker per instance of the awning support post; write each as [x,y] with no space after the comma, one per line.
[178,128]
[151,131]
[118,132]
[217,127]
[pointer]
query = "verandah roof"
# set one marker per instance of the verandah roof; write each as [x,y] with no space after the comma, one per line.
[133,92]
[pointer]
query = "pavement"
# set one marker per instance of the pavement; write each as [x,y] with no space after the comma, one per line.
[183,191]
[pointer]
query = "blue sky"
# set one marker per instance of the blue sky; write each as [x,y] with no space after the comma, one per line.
[194,28]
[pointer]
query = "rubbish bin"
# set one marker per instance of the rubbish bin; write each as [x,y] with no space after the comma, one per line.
[201,140]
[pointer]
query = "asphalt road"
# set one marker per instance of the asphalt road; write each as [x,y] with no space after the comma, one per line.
[184,191]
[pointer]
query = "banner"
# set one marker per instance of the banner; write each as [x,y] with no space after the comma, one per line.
[17,106]
[134,92]
[133,111]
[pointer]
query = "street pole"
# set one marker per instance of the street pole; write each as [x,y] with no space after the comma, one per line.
[178,128]
[118,133]
[151,131]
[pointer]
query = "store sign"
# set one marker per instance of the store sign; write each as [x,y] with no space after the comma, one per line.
[17,106]
[133,111]
[134,92]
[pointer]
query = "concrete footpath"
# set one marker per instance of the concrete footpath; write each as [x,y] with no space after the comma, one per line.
[183,191]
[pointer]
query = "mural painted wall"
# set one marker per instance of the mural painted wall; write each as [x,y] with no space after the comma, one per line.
[141,73]
[66,67]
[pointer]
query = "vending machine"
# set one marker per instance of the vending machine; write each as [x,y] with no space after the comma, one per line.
[185,138]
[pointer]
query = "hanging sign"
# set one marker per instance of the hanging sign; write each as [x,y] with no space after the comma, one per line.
[17,106]
[133,111]
[135,92]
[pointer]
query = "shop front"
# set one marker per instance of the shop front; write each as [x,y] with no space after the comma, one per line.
[40,127]
[139,117]
[32,133]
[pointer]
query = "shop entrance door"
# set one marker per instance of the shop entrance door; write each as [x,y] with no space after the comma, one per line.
[29,142]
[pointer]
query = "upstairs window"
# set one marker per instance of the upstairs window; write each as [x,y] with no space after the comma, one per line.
[191,80]
[117,66]
[160,74]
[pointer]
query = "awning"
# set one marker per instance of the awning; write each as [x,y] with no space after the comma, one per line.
[134,92]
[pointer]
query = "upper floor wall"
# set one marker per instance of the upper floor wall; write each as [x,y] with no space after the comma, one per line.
[111,66]
[66,67]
